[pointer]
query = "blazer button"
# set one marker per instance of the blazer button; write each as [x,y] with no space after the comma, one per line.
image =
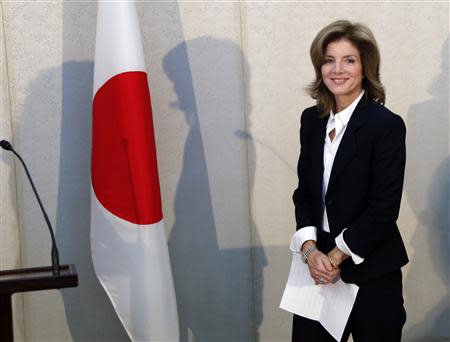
[330,202]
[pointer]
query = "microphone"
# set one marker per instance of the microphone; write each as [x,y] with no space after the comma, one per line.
[6,145]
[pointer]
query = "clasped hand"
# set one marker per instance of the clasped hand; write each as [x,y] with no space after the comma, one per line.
[321,269]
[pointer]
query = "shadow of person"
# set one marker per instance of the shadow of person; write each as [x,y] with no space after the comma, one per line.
[427,191]
[216,287]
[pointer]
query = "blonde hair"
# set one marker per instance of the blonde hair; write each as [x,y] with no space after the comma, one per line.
[363,39]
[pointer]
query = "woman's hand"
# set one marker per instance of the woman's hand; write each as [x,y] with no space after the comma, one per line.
[321,269]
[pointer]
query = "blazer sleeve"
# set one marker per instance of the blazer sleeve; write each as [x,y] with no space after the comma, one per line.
[302,195]
[378,221]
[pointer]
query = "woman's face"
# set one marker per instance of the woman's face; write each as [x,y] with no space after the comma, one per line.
[342,71]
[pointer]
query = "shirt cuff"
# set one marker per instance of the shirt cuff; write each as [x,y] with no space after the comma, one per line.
[301,236]
[340,243]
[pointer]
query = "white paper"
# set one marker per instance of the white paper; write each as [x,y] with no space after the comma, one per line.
[329,304]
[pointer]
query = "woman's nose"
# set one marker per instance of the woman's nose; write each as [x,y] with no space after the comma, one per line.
[338,67]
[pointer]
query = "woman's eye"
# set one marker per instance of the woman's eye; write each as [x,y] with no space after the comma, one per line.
[328,61]
[350,61]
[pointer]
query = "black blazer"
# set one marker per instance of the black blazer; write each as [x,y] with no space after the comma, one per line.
[364,190]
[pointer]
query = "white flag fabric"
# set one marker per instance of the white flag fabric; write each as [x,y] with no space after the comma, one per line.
[128,242]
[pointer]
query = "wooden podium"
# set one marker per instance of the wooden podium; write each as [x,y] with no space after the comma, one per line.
[25,280]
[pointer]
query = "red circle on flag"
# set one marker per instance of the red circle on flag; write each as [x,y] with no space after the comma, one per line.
[124,165]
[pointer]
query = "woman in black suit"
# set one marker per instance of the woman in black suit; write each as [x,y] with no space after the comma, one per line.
[351,171]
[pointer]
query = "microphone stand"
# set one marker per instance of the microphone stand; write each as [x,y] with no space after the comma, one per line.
[55,255]
[31,279]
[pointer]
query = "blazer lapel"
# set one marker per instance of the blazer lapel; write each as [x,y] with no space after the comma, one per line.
[347,147]
[317,155]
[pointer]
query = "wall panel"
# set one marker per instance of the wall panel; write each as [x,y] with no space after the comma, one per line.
[9,220]
[195,71]
[34,44]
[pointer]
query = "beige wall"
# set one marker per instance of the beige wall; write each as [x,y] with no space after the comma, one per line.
[227,84]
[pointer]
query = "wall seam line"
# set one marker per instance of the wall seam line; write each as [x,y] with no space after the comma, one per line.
[250,221]
[448,199]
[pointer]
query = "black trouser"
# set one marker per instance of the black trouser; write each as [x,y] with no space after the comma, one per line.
[378,315]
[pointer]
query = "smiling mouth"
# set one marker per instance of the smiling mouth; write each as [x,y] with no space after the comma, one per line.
[339,81]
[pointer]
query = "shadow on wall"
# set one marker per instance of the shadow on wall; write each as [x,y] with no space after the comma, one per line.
[427,190]
[219,291]
[89,312]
